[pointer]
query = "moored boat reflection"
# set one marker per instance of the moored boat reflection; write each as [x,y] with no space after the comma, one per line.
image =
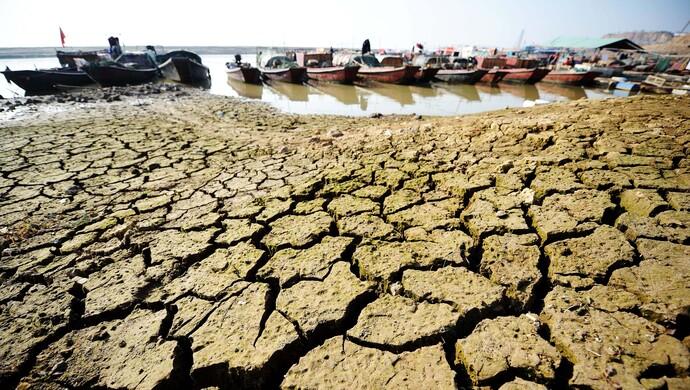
[569,92]
[294,92]
[251,91]
[466,91]
[399,93]
[346,94]
[524,91]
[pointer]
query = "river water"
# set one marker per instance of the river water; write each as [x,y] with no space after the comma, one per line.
[437,99]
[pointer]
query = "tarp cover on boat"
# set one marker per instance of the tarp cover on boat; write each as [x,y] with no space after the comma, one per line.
[595,43]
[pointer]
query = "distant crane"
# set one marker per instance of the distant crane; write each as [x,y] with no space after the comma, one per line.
[684,27]
[519,42]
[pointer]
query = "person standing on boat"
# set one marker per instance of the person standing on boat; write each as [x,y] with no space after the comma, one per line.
[151,54]
[366,47]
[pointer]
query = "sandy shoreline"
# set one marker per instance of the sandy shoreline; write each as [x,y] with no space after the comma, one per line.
[177,239]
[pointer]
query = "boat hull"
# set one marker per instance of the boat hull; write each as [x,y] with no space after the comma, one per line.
[288,75]
[425,75]
[493,76]
[246,75]
[190,71]
[336,74]
[570,78]
[460,76]
[400,75]
[519,75]
[35,82]
[538,75]
[108,75]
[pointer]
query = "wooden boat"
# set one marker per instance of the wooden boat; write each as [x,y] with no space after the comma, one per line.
[460,76]
[129,69]
[371,69]
[340,74]
[69,58]
[188,67]
[243,72]
[282,68]
[519,75]
[493,76]
[569,77]
[36,82]
[538,75]
[320,68]
[425,75]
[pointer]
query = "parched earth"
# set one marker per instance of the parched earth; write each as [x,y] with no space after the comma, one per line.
[199,241]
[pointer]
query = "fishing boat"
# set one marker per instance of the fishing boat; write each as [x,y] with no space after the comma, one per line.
[519,75]
[45,81]
[69,59]
[371,69]
[243,72]
[460,76]
[538,75]
[187,67]
[320,68]
[426,75]
[281,68]
[128,69]
[493,76]
[340,74]
[569,77]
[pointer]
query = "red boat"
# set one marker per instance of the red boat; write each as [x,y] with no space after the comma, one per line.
[289,75]
[371,69]
[538,75]
[463,76]
[493,76]
[320,68]
[282,68]
[244,73]
[519,75]
[570,77]
[425,75]
[338,74]
[388,74]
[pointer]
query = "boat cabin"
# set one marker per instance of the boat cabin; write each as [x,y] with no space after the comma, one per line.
[315,60]
[136,60]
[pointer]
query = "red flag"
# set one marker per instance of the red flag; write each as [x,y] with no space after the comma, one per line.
[62,37]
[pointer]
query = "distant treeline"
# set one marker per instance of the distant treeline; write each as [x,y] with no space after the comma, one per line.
[27,52]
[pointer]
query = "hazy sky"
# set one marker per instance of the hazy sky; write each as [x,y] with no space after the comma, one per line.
[390,24]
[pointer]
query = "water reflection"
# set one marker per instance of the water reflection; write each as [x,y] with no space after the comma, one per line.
[294,92]
[467,92]
[523,91]
[489,89]
[425,91]
[567,91]
[401,94]
[251,91]
[346,94]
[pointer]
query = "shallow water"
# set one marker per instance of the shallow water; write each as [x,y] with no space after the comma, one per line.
[436,99]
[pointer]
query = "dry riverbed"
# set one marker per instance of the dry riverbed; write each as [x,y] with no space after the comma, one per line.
[175,239]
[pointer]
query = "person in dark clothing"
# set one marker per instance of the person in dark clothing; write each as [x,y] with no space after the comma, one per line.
[238,59]
[366,47]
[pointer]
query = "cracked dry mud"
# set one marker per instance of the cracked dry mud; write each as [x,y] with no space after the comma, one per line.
[200,241]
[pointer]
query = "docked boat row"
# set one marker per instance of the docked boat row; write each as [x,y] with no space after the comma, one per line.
[348,68]
[111,67]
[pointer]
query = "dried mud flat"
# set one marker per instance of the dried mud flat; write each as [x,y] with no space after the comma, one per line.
[198,241]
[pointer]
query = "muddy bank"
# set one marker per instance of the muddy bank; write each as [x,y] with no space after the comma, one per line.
[186,240]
